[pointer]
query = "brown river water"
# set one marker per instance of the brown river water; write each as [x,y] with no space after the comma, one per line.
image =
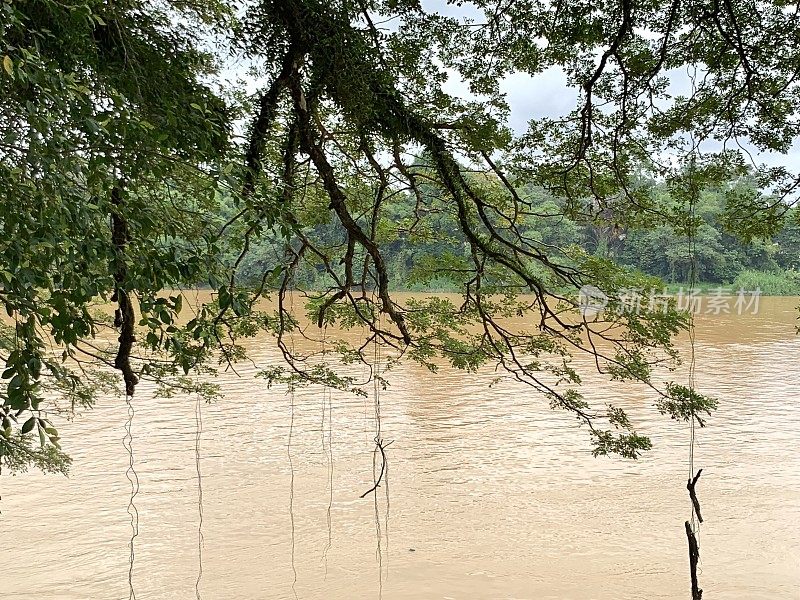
[490,494]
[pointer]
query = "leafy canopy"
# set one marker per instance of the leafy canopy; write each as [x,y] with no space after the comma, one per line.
[130,167]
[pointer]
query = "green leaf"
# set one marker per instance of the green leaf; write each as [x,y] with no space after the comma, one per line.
[224,298]
[29,425]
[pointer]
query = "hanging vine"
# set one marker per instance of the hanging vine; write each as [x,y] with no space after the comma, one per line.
[291,462]
[376,391]
[692,526]
[133,478]
[198,433]
[327,448]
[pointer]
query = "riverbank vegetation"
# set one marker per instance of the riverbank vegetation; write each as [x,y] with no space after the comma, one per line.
[309,143]
[721,258]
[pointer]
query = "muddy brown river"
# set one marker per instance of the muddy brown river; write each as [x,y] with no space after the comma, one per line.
[490,495]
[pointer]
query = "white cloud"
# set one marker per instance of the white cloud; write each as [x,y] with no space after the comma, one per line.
[533,97]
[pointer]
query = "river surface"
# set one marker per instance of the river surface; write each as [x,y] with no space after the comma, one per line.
[490,494]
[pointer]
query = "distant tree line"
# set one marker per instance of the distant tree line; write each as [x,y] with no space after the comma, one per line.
[721,257]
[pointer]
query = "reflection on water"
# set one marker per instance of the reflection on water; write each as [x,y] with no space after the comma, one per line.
[489,494]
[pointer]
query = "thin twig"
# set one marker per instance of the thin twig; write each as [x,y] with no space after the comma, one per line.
[382,447]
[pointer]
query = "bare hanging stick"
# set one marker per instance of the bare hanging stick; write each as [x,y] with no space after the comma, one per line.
[382,447]
[693,495]
[694,556]
[124,316]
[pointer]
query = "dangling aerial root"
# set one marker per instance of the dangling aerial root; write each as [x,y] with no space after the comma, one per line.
[133,478]
[198,433]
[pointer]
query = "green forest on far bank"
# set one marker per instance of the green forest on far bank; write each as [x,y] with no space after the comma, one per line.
[723,258]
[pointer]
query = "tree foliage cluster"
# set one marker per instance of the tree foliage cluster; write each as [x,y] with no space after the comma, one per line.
[126,172]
